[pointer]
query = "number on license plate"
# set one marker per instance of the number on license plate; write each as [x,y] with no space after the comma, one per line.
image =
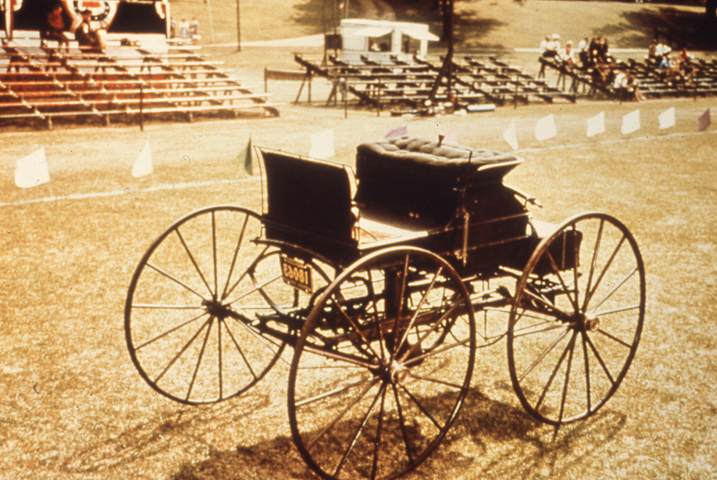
[296,273]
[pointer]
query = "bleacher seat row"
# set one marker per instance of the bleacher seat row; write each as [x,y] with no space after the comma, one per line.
[122,82]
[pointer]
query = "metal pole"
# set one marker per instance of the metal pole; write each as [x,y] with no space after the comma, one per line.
[238,28]
[141,107]
[211,23]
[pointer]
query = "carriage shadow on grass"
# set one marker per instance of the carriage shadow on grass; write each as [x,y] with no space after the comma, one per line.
[490,438]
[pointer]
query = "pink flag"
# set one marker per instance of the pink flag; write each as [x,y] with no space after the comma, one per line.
[397,132]
[703,121]
[450,137]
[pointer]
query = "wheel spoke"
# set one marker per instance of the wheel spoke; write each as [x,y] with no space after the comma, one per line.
[214,254]
[171,330]
[614,289]
[266,341]
[241,350]
[533,332]
[593,263]
[175,280]
[199,358]
[331,393]
[184,348]
[587,370]
[377,442]
[166,307]
[543,354]
[553,374]
[341,414]
[436,351]
[614,338]
[194,262]
[546,302]
[434,327]
[402,422]
[556,270]
[567,378]
[335,355]
[422,408]
[359,430]
[435,380]
[219,355]
[605,313]
[599,359]
[359,331]
[248,269]
[418,308]
[256,287]
[604,270]
[225,293]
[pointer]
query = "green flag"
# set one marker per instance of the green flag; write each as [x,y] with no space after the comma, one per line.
[245,158]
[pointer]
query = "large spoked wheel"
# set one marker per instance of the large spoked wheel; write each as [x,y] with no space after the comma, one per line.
[576,319]
[207,312]
[382,366]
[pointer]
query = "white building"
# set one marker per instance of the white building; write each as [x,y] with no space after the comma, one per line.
[380,40]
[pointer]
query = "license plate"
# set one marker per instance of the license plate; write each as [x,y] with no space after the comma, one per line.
[296,273]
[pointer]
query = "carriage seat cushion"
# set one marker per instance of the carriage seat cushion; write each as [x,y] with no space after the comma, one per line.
[419,152]
[414,178]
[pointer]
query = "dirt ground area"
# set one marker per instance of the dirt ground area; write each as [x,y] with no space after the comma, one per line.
[72,405]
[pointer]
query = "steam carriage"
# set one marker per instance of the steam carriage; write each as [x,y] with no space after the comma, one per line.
[385,283]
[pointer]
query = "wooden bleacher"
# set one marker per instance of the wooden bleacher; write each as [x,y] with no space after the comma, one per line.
[653,82]
[474,81]
[42,84]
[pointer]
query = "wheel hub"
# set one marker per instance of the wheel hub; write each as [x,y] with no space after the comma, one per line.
[216,309]
[585,322]
[399,374]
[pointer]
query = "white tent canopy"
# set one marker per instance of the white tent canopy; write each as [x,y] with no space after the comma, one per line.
[407,39]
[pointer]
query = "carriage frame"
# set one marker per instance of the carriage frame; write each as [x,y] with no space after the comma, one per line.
[385,282]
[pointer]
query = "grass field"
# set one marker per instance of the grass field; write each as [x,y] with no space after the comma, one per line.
[72,405]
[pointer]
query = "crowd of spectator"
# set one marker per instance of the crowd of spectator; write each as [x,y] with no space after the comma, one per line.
[592,56]
[679,67]
[186,30]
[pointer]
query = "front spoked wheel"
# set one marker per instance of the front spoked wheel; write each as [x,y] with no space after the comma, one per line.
[382,366]
[576,319]
[207,313]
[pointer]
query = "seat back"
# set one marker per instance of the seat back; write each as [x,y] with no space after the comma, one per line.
[308,202]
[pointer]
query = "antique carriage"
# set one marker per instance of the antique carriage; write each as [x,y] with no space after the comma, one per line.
[385,283]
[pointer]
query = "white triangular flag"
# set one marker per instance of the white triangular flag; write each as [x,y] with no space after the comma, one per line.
[596,125]
[667,118]
[397,132]
[703,121]
[545,128]
[143,165]
[631,122]
[511,135]
[322,144]
[450,137]
[32,170]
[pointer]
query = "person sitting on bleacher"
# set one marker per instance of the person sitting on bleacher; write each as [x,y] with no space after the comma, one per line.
[583,52]
[55,28]
[194,30]
[627,86]
[567,55]
[549,47]
[90,40]
[603,53]
[686,66]
[184,32]
[652,55]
